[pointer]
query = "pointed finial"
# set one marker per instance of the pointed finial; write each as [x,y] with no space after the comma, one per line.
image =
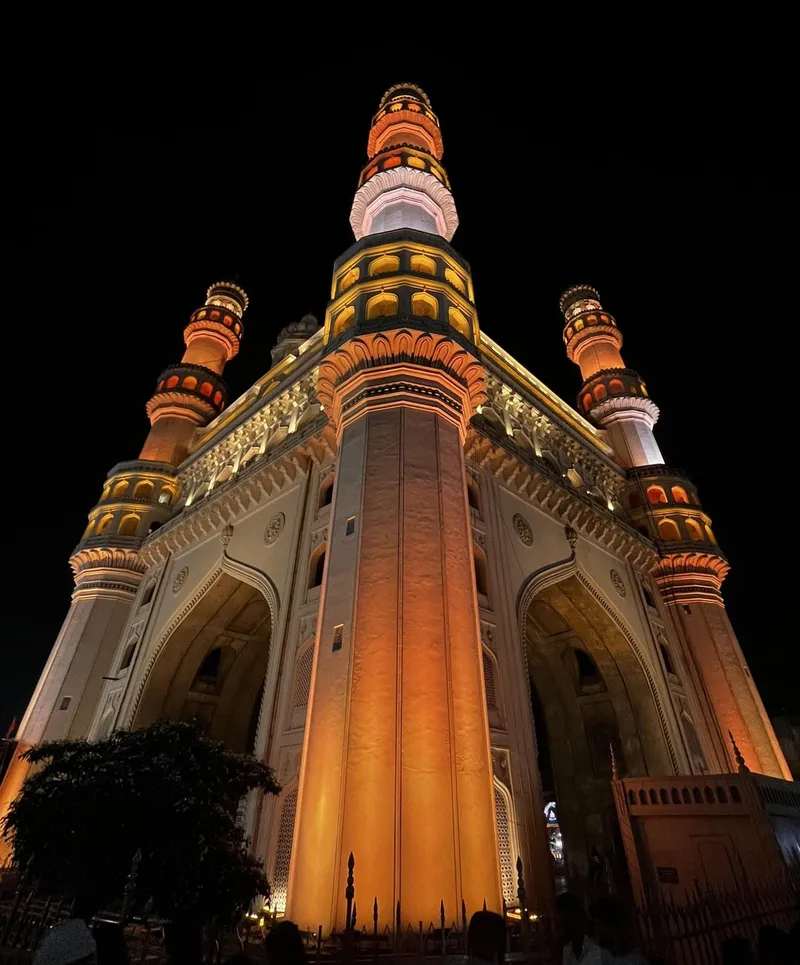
[614,768]
[737,754]
[484,904]
[226,534]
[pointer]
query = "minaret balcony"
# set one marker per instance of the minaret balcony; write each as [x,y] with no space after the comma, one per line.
[190,386]
[610,384]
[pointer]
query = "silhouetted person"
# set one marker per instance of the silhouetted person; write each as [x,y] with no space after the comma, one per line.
[613,933]
[486,939]
[774,946]
[737,951]
[579,948]
[284,945]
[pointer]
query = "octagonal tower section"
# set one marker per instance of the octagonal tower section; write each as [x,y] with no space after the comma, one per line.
[396,764]
[138,496]
[663,504]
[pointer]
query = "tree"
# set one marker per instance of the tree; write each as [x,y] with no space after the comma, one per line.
[165,790]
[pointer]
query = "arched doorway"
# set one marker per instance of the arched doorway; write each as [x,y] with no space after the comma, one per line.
[588,693]
[212,668]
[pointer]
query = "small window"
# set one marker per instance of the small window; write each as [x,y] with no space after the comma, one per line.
[423,264]
[338,636]
[656,495]
[326,492]
[589,677]
[317,569]
[127,656]
[481,580]
[66,701]
[148,593]
[488,681]
[472,496]
[649,599]
[165,496]
[350,528]
[669,666]
[381,306]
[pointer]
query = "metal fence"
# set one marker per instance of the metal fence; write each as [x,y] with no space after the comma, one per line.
[691,931]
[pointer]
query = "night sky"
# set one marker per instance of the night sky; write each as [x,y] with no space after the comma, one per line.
[674,203]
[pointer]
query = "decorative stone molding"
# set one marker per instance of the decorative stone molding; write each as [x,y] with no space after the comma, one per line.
[523,529]
[535,482]
[180,579]
[618,583]
[307,629]
[436,370]
[226,535]
[691,577]
[403,179]
[488,636]
[318,537]
[274,528]
[261,480]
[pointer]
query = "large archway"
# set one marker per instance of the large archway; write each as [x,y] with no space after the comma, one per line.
[589,692]
[212,667]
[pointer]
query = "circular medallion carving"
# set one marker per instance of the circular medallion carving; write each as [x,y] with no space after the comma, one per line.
[618,583]
[523,529]
[274,528]
[180,579]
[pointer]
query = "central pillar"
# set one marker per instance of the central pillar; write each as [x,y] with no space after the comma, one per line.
[396,766]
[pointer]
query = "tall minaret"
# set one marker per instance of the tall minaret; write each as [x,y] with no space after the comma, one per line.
[396,764]
[663,503]
[138,496]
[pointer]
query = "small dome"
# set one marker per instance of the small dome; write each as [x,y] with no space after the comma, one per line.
[292,336]
[402,91]
[577,293]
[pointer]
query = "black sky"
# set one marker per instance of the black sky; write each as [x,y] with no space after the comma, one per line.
[678,202]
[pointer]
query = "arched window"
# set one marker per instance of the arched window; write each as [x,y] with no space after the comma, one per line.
[587,400]
[656,494]
[489,681]
[206,389]
[384,264]
[104,523]
[679,494]
[143,490]
[317,569]
[588,677]
[455,280]
[129,525]
[600,392]
[127,656]
[283,850]
[693,529]
[505,844]
[349,279]
[459,321]
[666,656]
[381,306]
[481,579]
[634,500]
[424,305]
[326,492]
[473,496]
[166,495]
[423,264]
[668,530]
[302,678]
[616,387]
[710,534]
[172,381]
[88,531]
[344,320]
[120,489]
[190,382]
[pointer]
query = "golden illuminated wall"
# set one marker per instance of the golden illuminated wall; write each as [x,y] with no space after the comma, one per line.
[396,766]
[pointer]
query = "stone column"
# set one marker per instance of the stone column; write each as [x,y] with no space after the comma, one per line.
[396,766]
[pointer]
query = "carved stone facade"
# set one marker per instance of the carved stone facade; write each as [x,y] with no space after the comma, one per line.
[400,538]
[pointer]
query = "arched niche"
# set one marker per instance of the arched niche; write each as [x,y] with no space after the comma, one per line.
[590,691]
[212,666]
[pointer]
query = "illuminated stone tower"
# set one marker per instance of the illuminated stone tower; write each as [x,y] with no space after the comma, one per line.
[663,502]
[137,498]
[396,766]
